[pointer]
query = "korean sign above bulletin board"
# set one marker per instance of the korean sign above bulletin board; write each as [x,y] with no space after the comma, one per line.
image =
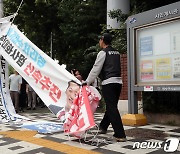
[158,54]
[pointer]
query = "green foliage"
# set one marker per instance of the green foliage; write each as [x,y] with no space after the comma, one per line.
[138,6]
[172,123]
[11,69]
[161,102]
[37,20]
[81,20]
[118,15]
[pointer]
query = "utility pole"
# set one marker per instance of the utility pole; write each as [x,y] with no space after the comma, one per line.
[123,5]
[51,44]
[1,8]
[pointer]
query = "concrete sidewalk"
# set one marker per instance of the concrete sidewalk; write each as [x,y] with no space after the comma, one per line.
[15,140]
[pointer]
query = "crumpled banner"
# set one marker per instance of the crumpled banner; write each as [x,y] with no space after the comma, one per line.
[80,117]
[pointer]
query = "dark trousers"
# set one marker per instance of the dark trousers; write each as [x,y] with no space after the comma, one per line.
[32,99]
[111,93]
[15,99]
[23,100]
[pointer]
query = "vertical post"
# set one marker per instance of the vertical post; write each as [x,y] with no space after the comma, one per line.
[129,72]
[51,46]
[123,5]
[1,8]
[132,95]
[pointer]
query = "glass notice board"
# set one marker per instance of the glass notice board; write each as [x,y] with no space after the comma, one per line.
[158,54]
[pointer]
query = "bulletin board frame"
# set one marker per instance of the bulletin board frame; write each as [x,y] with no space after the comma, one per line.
[153,50]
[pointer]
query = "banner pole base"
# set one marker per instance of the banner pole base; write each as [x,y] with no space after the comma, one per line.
[134,119]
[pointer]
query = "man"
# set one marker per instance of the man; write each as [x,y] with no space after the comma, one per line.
[15,87]
[71,93]
[31,94]
[77,74]
[107,64]
[23,96]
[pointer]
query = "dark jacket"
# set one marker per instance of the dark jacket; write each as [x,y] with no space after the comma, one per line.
[111,66]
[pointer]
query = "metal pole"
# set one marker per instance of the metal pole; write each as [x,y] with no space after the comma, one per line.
[123,5]
[51,45]
[1,8]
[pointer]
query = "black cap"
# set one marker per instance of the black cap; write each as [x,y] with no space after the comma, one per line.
[106,37]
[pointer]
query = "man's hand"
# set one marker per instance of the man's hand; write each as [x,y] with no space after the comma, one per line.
[84,83]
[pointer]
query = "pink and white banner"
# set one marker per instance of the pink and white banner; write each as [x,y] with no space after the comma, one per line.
[55,85]
[80,116]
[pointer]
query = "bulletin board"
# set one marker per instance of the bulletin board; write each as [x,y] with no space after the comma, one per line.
[158,54]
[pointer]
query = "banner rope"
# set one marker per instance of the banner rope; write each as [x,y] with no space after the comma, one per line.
[91,136]
[15,14]
[17,11]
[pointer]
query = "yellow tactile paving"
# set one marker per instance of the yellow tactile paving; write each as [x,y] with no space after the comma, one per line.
[28,136]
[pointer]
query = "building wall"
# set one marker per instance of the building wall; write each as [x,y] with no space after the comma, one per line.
[124,91]
[123,100]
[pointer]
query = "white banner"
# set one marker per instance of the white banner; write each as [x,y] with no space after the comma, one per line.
[46,77]
[7,111]
[57,88]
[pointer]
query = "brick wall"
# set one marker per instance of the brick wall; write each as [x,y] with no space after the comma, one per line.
[124,91]
[124,75]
